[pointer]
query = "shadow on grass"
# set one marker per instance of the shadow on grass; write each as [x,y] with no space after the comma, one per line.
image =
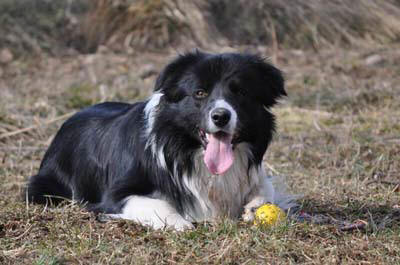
[347,214]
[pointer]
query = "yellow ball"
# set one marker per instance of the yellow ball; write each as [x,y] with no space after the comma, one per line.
[269,215]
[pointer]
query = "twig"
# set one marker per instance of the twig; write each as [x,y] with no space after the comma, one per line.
[272,169]
[24,233]
[275,45]
[33,127]
[315,112]
[387,182]
[357,225]
[28,148]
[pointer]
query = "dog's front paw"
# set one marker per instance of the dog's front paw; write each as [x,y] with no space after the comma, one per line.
[183,225]
[248,215]
[178,223]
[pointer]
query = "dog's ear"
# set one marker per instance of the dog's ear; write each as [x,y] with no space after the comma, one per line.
[272,83]
[170,79]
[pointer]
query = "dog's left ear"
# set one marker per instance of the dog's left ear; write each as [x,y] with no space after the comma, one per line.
[272,83]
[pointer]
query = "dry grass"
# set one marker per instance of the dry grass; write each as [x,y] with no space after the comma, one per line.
[309,23]
[164,23]
[39,26]
[65,27]
[115,23]
[130,26]
[338,144]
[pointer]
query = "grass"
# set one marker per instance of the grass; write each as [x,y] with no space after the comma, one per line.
[80,96]
[140,24]
[337,144]
[158,24]
[73,26]
[38,26]
[306,23]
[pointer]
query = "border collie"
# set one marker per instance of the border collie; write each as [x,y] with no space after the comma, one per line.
[192,152]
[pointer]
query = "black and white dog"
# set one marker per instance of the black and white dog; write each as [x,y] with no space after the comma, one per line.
[192,152]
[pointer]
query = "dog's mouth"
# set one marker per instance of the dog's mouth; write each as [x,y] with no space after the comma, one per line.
[218,150]
[204,138]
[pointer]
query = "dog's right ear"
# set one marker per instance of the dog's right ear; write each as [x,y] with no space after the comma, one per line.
[168,82]
[273,83]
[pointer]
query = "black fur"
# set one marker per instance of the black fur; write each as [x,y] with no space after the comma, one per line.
[99,156]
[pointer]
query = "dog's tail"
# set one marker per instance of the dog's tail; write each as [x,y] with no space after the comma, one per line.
[44,189]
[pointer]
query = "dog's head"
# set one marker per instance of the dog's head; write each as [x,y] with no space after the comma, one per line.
[221,100]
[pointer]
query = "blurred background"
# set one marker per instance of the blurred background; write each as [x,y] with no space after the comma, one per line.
[128,26]
[338,136]
[90,51]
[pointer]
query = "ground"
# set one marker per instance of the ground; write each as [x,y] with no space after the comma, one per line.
[337,145]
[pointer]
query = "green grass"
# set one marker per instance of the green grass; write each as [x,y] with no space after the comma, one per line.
[337,144]
[80,96]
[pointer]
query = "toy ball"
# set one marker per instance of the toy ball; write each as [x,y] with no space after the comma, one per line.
[269,215]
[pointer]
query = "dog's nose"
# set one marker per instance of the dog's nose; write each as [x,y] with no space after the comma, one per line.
[220,116]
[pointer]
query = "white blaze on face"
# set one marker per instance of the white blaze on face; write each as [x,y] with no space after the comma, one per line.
[218,155]
[231,126]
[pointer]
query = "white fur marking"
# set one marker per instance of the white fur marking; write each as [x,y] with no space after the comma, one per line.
[222,195]
[161,158]
[231,126]
[150,111]
[157,213]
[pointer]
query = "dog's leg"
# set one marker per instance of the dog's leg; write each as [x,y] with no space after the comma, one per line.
[263,193]
[156,213]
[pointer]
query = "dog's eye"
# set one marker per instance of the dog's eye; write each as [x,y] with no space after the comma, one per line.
[199,94]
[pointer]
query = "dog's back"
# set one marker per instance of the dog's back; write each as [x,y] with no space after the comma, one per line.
[79,154]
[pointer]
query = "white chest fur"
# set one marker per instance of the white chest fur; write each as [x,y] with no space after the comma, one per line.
[221,195]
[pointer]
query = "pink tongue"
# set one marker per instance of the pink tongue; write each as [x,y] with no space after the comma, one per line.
[218,155]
